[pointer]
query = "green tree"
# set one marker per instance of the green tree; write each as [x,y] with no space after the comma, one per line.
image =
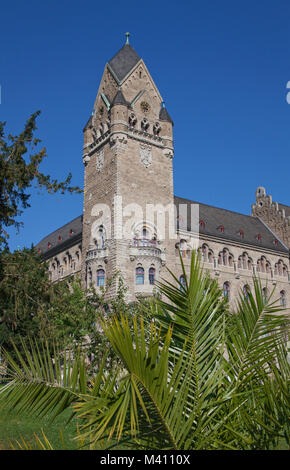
[195,377]
[19,170]
[25,297]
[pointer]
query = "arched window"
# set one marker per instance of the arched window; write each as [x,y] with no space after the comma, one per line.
[204,251]
[210,256]
[182,283]
[100,277]
[132,120]
[139,275]
[225,257]
[226,288]
[151,276]
[283,302]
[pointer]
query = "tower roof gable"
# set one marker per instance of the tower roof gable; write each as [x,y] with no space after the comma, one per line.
[124,61]
[119,99]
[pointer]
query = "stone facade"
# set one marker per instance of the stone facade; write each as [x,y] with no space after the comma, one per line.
[128,161]
[276,216]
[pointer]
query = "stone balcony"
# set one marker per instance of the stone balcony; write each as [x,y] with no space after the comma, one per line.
[146,248]
[97,253]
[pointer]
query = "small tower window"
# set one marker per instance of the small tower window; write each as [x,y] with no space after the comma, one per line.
[156,128]
[100,277]
[144,124]
[132,120]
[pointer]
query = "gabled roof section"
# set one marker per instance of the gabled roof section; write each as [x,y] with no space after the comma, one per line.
[233,223]
[123,62]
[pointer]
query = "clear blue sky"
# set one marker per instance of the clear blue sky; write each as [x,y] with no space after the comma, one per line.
[221,66]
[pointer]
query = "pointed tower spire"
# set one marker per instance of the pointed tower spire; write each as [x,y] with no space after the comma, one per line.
[164,115]
[127,36]
[119,98]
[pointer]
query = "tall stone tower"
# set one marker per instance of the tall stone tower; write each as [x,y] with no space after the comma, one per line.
[128,152]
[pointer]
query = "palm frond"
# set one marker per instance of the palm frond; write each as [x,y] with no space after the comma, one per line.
[41,382]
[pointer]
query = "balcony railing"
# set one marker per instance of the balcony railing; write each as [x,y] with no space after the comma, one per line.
[140,242]
[96,253]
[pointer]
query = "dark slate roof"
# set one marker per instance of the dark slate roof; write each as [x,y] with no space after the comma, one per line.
[124,61]
[68,238]
[164,115]
[213,217]
[233,222]
[119,99]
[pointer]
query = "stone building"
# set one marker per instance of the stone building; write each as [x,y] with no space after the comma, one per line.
[133,223]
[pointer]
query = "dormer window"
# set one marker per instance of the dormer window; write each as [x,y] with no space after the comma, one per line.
[70,232]
[202,224]
[49,245]
[259,237]
[241,233]
[59,239]
[275,241]
[221,228]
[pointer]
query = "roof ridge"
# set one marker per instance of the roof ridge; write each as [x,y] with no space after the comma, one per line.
[216,207]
